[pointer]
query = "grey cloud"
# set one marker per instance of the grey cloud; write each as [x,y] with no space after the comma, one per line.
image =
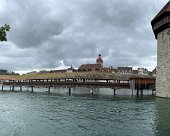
[35,23]
[77,31]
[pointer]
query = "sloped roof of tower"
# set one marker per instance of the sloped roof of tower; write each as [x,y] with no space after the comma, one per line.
[161,20]
[164,10]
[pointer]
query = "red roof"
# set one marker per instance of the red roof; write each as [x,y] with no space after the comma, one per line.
[90,67]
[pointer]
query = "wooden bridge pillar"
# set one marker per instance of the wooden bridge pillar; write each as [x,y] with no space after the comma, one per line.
[137,93]
[32,88]
[141,92]
[13,88]
[92,91]
[114,91]
[21,88]
[49,89]
[69,91]
[152,92]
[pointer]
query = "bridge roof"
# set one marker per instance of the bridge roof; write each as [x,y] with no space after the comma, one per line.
[8,77]
[75,75]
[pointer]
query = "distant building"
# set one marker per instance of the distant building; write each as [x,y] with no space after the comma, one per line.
[58,71]
[71,69]
[33,72]
[108,69]
[135,72]
[154,72]
[90,67]
[143,71]
[97,67]
[124,70]
[43,72]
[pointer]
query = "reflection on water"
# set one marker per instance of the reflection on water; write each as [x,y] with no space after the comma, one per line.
[163,116]
[40,114]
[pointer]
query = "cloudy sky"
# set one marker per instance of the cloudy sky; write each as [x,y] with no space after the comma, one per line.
[51,34]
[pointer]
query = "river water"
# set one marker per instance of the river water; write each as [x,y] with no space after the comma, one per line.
[39,114]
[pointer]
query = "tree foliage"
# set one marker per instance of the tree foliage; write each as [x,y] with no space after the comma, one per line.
[3,30]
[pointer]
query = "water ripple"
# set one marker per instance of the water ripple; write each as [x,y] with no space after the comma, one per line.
[31,114]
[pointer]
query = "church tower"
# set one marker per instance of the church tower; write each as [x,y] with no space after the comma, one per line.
[99,60]
[161,28]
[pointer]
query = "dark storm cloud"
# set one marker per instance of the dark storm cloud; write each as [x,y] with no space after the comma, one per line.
[44,33]
[35,24]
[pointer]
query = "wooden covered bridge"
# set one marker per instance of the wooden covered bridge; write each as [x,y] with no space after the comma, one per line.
[79,79]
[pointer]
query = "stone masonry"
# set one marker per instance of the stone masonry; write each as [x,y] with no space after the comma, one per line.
[163,64]
[161,28]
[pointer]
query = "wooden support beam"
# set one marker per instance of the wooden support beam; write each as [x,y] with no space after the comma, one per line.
[92,91]
[21,88]
[114,91]
[69,91]
[49,89]
[141,92]
[137,93]
[32,88]
[13,88]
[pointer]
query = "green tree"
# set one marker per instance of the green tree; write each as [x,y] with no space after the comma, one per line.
[3,30]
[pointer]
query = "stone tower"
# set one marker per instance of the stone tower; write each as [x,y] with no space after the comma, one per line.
[161,28]
[99,60]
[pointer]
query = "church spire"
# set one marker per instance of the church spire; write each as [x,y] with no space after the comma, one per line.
[99,60]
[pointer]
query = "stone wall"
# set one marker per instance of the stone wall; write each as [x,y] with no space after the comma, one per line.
[163,64]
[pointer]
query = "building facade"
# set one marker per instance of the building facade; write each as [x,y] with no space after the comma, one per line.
[124,70]
[92,67]
[143,71]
